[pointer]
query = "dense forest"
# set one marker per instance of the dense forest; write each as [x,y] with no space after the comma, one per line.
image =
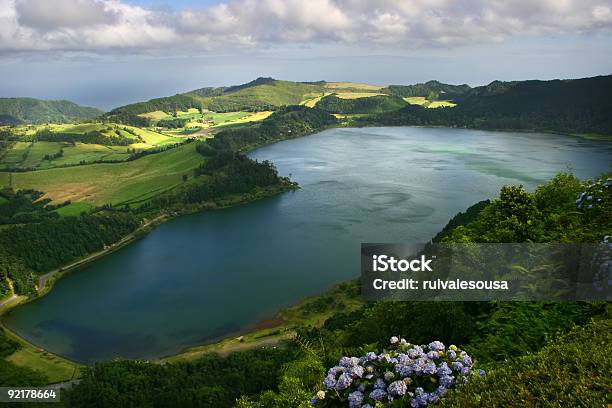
[14,111]
[571,106]
[369,105]
[432,90]
[28,250]
[211,381]
[24,207]
[512,341]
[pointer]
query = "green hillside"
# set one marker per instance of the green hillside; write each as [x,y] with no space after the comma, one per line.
[570,106]
[372,104]
[36,111]
[431,89]
[260,95]
[129,113]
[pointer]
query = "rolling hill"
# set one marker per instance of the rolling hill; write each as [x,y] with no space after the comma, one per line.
[36,111]
[259,95]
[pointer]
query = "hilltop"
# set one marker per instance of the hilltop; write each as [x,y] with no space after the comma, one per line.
[15,111]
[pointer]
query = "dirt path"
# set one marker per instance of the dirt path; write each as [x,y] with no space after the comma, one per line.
[43,279]
[8,301]
[66,385]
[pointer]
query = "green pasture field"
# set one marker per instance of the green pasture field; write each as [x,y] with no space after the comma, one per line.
[130,182]
[16,153]
[421,100]
[38,150]
[355,95]
[55,368]
[31,154]
[312,99]
[74,209]
[5,179]
[353,85]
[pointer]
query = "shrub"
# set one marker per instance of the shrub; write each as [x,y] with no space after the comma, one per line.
[573,371]
[406,373]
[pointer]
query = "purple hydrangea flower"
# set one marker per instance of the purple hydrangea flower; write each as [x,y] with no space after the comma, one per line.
[436,346]
[378,394]
[379,384]
[344,381]
[357,371]
[404,370]
[446,380]
[429,368]
[335,370]
[349,361]
[397,388]
[355,399]
[415,352]
[444,370]
[329,382]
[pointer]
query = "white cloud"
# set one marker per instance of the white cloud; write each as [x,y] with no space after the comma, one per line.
[46,15]
[114,25]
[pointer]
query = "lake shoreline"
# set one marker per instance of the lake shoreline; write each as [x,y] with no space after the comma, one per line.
[194,209]
[51,278]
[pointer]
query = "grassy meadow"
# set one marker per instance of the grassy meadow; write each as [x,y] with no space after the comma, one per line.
[353,85]
[116,183]
[423,101]
[37,154]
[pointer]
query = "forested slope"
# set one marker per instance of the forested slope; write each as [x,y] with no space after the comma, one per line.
[29,110]
[570,106]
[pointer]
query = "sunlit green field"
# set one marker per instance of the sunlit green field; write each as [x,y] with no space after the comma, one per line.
[353,85]
[355,95]
[116,183]
[74,209]
[423,101]
[40,154]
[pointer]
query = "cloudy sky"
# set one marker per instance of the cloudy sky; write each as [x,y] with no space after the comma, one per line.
[106,53]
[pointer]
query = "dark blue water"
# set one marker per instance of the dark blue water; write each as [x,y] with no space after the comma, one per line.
[208,275]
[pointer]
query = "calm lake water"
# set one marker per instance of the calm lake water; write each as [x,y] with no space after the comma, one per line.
[208,275]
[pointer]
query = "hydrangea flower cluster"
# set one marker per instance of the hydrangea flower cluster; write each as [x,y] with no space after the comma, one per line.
[419,375]
[594,194]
